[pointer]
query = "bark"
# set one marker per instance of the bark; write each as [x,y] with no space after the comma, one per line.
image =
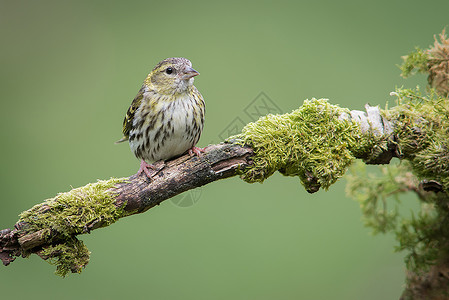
[139,193]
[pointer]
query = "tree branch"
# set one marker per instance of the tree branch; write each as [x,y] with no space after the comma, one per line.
[181,174]
[137,194]
[49,229]
[316,143]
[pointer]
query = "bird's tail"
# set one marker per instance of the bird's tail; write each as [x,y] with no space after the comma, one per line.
[123,139]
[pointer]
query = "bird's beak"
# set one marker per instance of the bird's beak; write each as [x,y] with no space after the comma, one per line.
[189,73]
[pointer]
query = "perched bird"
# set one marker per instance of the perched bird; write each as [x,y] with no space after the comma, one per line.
[166,117]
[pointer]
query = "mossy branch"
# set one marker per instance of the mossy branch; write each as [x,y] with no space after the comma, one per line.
[316,143]
[421,128]
[49,229]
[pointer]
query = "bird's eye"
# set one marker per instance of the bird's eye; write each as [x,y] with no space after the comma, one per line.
[169,71]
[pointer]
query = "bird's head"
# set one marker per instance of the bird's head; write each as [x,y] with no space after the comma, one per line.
[171,76]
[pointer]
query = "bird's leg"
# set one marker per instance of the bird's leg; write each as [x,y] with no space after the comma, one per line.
[144,167]
[196,151]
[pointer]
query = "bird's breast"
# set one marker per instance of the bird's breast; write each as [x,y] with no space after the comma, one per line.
[165,128]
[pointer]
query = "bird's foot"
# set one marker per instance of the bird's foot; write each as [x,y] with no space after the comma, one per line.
[144,168]
[196,151]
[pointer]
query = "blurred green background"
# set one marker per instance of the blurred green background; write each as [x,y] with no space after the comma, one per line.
[69,70]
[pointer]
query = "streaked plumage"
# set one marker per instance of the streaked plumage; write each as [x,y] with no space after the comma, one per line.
[166,117]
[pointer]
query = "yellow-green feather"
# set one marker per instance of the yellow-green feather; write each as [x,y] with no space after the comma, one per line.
[128,121]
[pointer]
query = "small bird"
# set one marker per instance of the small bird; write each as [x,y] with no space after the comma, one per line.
[166,117]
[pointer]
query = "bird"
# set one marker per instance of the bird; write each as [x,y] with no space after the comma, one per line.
[166,117]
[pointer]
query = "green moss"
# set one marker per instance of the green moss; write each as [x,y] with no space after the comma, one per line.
[433,61]
[72,212]
[71,256]
[372,192]
[423,233]
[422,130]
[313,142]
[68,214]
[415,61]
[424,236]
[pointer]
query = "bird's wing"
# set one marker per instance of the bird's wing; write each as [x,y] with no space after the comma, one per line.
[128,121]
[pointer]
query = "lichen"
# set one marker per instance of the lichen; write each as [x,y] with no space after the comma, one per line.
[312,142]
[71,213]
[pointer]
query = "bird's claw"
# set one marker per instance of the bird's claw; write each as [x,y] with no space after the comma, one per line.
[196,151]
[144,168]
